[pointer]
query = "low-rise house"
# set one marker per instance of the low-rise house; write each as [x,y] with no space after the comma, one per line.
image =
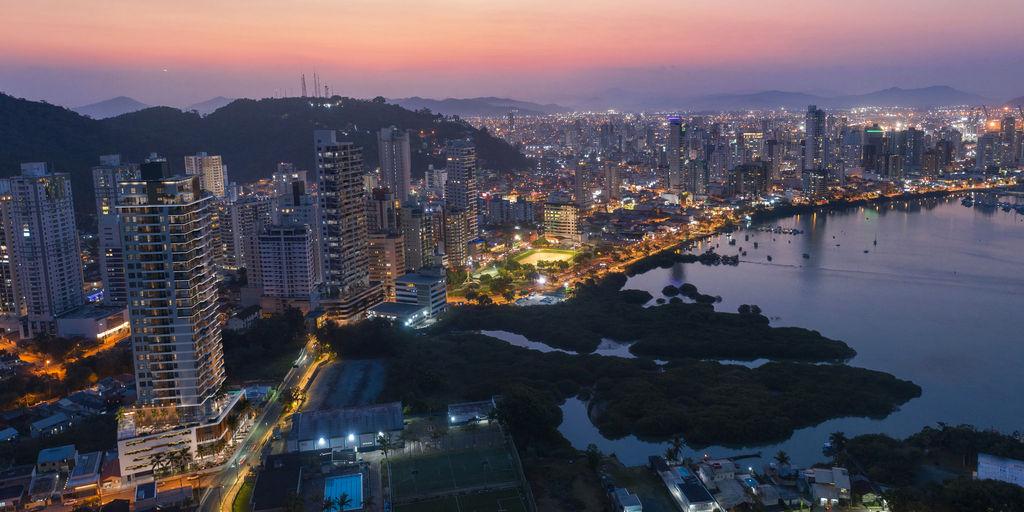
[50,425]
[686,489]
[57,459]
[84,480]
[713,471]
[43,490]
[468,412]
[11,497]
[626,501]
[827,487]
[8,434]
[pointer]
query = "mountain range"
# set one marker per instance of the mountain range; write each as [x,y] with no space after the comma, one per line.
[125,105]
[252,136]
[483,106]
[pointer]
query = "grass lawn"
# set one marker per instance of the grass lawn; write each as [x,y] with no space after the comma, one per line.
[244,496]
[534,256]
[506,500]
[450,472]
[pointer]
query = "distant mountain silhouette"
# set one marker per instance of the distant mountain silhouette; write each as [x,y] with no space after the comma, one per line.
[252,136]
[110,108]
[1015,102]
[484,106]
[939,95]
[210,105]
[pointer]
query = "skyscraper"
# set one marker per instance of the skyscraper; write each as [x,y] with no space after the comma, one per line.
[395,161]
[211,170]
[176,336]
[342,197]
[387,260]
[461,190]
[105,179]
[172,291]
[581,188]
[612,183]
[456,236]
[676,152]
[42,241]
[815,139]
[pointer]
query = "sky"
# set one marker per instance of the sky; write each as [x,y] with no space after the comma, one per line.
[74,52]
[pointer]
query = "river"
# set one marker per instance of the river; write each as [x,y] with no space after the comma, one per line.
[928,290]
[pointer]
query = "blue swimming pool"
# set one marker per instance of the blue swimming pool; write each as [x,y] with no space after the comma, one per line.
[683,472]
[351,485]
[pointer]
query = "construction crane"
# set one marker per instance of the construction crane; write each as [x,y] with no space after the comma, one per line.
[303,85]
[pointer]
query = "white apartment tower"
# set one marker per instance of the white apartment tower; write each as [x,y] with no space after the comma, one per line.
[42,241]
[461,192]
[395,161]
[212,171]
[172,291]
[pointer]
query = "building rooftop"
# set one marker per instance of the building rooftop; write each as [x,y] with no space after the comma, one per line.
[50,421]
[419,279]
[56,454]
[342,422]
[87,469]
[398,309]
[695,491]
[93,311]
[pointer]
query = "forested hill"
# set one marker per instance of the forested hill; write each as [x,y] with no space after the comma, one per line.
[251,135]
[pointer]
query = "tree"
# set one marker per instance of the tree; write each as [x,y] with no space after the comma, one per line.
[594,456]
[836,445]
[675,448]
[528,414]
[384,441]
[782,458]
[343,501]
[329,504]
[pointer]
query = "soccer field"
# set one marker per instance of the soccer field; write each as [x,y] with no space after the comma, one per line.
[507,500]
[450,472]
[534,256]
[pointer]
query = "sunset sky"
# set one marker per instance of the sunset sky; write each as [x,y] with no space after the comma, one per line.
[74,52]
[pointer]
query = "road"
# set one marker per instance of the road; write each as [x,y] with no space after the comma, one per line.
[220,494]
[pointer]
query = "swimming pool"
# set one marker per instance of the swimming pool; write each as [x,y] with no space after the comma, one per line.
[351,485]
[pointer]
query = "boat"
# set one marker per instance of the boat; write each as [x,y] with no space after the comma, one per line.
[769,257]
[865,251]
[807,256]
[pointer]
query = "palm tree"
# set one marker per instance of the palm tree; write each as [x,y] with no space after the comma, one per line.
[782,458]
[329,504]
[343,501]
[158,461]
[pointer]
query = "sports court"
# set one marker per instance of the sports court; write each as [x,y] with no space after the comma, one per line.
[505,500]
[451,472]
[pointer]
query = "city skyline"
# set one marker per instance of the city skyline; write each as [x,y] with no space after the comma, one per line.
[450,48]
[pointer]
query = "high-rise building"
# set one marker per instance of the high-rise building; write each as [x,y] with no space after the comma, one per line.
[387,260]
[42,241]
[561,220]
[343,236]
[382,211]
[815,139]
[1009,141]
[612,182]
[457,236]
[422,231]
[461,192]
[105,179]
[581,187]
[10,304]
[436,181]
[749,180]
[288,260]
[172,291]
[395,161]
[241,223]
[211,170]
[986,152]
[677,153]
[176,336]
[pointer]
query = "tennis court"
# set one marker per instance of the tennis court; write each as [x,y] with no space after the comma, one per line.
[451,472]
[505,500]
